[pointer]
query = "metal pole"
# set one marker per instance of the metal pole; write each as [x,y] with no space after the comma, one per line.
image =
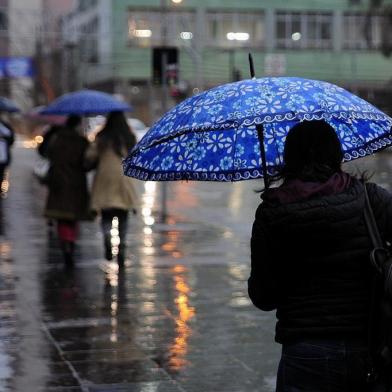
[198,45]
[165,99]
[231,65]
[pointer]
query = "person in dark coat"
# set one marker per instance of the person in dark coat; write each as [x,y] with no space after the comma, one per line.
[43,147]
[7,138]
[310,262]
[68,198]
[43,151]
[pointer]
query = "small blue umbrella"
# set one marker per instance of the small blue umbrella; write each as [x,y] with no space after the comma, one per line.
[85,102]
[6,105]
[216,135]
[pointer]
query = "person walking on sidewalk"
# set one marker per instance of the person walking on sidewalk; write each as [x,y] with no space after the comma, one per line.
[43,166]
[113,194]
[7,138]
[310,261]
[68,198]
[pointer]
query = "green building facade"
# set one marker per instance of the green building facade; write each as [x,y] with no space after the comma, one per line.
[334,40]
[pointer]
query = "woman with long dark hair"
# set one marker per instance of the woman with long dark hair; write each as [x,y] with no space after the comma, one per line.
[310,262]
[113,194]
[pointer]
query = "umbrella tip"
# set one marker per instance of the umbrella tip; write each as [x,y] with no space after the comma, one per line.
[251,66]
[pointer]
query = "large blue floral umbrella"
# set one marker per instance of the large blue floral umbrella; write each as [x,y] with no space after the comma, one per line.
[216,135]
[85,102]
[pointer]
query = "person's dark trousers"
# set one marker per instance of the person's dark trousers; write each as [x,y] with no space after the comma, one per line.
[107,216]
[318,366]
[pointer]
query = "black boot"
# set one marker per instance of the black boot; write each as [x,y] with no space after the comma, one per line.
[68,248]
[121,255]
[108,247]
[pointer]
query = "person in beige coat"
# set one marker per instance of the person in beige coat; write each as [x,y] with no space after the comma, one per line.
[113,195]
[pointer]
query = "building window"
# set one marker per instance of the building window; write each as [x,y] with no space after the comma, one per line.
[86,4]
[89,41]
[304,30]
[235,29]
[154,28]
[3,21]
[181,27]
[362,31]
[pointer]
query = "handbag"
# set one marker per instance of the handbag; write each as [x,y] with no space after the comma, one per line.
[380,316]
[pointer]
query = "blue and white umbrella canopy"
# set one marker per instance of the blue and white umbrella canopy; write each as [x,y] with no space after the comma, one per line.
[6,105]
[212,136]
[85,102]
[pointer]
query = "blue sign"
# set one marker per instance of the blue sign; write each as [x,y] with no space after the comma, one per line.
[16,67]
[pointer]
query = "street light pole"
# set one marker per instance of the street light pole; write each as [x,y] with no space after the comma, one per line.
[231,65]
[165,98]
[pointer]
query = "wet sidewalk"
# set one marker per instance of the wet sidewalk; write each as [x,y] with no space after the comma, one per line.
[177,318]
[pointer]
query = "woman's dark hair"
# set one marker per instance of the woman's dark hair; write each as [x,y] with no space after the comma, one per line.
[116,134]
[312,152]
[73,121]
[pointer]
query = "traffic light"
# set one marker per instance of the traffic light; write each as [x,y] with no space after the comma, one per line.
[161,55]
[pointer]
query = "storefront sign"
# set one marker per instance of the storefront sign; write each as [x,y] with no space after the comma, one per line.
[16,67]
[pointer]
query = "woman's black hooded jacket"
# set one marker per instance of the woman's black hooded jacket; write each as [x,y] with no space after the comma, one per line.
[310,262]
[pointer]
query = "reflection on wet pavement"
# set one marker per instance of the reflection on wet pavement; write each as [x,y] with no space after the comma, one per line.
[184,313]
[176,318]
[5,185]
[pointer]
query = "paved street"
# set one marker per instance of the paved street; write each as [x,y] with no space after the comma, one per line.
[176,319]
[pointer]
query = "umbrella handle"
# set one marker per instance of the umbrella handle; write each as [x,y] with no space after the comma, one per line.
[260,136]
